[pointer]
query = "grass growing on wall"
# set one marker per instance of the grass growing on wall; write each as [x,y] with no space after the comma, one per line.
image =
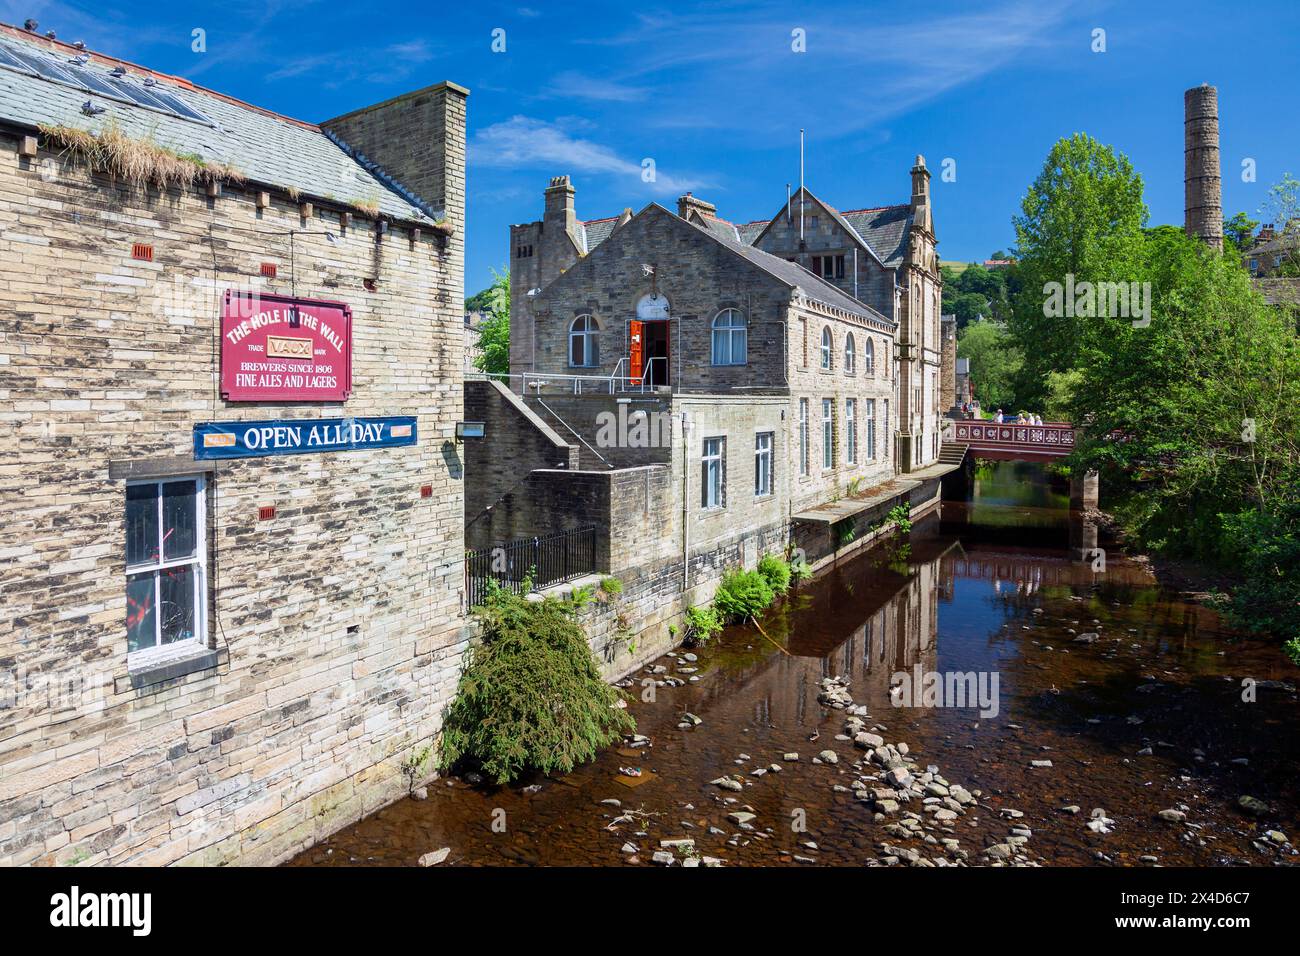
[136,161]
[531,696]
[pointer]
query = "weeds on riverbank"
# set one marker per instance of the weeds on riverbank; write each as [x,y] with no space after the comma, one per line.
[531,696]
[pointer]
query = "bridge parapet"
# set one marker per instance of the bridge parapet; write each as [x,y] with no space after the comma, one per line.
[1009,441]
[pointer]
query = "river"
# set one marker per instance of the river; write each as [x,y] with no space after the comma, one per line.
[1149,715]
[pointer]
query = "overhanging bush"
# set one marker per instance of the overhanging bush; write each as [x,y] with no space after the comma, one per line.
[777,572]
[742,594]
[531,696]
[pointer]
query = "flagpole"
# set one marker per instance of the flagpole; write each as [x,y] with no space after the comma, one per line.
[803,200]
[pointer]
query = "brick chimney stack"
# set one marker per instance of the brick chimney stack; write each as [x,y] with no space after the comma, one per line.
[559,214]
[1202,184]
[921,195]
[688,202]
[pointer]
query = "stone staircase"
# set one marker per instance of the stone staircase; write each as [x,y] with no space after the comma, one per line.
[952,453]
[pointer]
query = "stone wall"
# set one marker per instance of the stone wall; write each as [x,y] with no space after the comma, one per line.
[516,443]
[335,631]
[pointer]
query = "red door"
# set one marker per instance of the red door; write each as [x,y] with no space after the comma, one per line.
[637,352]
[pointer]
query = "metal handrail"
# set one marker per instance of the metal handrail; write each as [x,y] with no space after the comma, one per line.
[556,414]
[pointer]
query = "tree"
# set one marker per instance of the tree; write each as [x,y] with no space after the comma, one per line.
[494,330]
[1081,221]
[994,363]
[1241,230]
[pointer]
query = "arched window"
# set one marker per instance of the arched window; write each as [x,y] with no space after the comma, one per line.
[827,345]
[850,354]
[730,338]
[869,358]
[583,351]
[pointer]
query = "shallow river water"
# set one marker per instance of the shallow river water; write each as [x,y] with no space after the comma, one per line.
[1148,716]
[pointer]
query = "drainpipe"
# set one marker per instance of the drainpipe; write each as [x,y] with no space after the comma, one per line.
[686,503]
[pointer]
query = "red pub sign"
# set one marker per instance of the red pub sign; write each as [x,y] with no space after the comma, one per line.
[275,348]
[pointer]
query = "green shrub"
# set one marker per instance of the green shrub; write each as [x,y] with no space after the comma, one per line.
[901,517]
[777,572]
[611,585]
[702,623]
[531,695]
[800,569]
[742,594]
[1264,546]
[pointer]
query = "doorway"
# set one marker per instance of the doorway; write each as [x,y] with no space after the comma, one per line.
[654,353]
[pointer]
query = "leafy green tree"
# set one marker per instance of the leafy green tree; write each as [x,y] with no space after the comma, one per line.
[1241,230]
[494,330]
[995,361]
[1081,221]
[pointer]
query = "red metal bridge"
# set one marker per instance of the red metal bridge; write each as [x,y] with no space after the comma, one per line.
[1011,442]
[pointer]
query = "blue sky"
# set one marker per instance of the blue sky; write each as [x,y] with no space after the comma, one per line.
[715,94]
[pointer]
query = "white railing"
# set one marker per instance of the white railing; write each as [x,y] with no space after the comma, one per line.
[616,381]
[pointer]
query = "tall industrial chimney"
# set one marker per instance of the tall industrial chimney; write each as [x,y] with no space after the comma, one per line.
[1202,186]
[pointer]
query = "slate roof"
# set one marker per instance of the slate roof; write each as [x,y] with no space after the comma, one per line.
[268,148]
[795,275]
[884,229]
[1279,291]
[598,230]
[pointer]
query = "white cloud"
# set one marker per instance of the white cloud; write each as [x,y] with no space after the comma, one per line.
[574,85]
[522,142]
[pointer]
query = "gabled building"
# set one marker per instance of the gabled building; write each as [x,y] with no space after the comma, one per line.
[230,527]
[772,367]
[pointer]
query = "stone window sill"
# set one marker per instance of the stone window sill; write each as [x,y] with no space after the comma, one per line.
[152,673]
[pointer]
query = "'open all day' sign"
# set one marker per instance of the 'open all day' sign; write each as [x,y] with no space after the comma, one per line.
[280,349]
[300,436]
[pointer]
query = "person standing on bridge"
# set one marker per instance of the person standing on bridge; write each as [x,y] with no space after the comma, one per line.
[998,417]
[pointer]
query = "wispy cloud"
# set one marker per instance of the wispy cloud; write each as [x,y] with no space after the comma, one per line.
[734,67]
[524,143]
[575,85]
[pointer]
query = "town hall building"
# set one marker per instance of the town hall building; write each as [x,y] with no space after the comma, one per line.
[790,368]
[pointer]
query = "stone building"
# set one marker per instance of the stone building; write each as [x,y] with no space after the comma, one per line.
[211,651]
[701,400]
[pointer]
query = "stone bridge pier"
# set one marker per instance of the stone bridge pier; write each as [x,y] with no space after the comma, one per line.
[1083,530]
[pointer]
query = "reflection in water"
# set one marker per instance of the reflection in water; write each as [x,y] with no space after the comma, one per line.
[1132,694]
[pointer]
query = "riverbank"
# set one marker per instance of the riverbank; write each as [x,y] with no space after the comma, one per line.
[1122,734]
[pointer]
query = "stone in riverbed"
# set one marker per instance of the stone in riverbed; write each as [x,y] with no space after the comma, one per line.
[663,858]
[681,843]
[436,857]
[1172,816]
[740,817]
[868,741]
[727,783]
[829,756]
[1041,764]
[420,793]
[899,777]
[1252,805]
[791,757]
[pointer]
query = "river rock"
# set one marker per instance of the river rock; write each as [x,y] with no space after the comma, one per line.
[420,793]
[663,858]
[791,757]
[680,843]
[868,741]
[1172,816]
[1252,805]
[899,777]
[727,783]
[741,817]
[1041,764]
[829,756]
[436,857]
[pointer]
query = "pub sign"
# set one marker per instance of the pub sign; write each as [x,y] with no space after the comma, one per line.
[276,348]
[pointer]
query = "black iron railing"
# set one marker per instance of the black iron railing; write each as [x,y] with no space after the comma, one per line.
[544,560]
